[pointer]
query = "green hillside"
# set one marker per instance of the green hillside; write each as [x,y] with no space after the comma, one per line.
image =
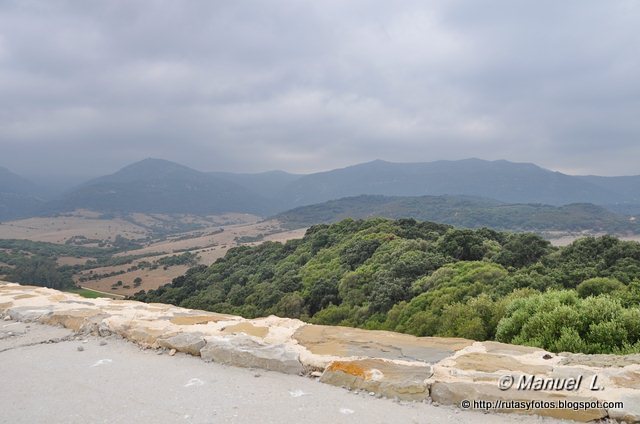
[159,186]
[430,279]
[464,211]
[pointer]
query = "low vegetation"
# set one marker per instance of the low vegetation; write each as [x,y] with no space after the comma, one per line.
[432,280]
[35,262]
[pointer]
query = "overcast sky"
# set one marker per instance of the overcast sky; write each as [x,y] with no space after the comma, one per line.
[89,86]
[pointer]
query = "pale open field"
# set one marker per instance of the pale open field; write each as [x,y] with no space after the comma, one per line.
[209,247]
[565,240]
[60,229]
[88,224]
[151,279]
[209,237]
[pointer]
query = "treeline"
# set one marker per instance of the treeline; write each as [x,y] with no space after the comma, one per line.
[464,211]
[34,263]
[432,280]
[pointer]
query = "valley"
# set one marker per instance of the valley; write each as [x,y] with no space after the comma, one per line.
[124,254]
[432,202]
[397,253]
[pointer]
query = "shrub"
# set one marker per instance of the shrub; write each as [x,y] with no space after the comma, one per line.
[598,286]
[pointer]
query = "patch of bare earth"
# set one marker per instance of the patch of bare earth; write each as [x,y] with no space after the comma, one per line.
[151,279]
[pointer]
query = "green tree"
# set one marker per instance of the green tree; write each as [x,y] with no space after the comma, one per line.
[39,271]
[598,286]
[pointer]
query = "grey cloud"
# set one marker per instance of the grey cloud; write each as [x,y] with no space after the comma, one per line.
[302,85]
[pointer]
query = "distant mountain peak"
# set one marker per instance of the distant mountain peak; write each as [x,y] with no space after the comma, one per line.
[154,163]
[149,169]
[10,182]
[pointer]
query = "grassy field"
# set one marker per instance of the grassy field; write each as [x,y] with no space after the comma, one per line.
[92,294]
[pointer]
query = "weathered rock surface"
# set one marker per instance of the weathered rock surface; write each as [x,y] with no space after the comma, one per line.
[447,370]
[600,361]
[631,411]
[489,362]
[244,351]
[406,382]
[453,393]
[247,328]
[190,343]
[345,341]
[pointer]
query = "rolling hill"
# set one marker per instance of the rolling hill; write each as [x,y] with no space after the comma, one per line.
[160,186]
[464,211]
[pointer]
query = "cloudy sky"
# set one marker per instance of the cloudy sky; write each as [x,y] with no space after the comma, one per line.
[89,86]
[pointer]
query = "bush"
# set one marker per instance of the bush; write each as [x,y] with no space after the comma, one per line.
[562,321]
[598,286]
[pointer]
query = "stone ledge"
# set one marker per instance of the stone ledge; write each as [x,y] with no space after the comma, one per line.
[445,370]
[386,378]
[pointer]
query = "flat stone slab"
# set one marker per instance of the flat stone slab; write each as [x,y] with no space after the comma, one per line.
[453,393]
[490,362]
[244,351]
[631,411]
[199,319]
[406,382]
[600,361]
[512,350]
[189,343]
[354,342]
[247,328]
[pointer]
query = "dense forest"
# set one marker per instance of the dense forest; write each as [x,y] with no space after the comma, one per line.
[33,262]
[432,280]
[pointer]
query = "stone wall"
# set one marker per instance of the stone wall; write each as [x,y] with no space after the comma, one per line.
[443,370]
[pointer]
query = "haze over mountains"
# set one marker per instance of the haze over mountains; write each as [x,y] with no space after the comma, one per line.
[501,180]
[160,186]
[18,196]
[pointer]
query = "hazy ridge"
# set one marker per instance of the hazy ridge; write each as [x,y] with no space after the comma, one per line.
[464,211]
[160,186]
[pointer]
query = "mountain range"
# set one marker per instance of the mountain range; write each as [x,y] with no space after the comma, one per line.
[160,186]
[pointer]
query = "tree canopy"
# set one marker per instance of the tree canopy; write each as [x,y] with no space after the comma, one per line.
[430,279]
